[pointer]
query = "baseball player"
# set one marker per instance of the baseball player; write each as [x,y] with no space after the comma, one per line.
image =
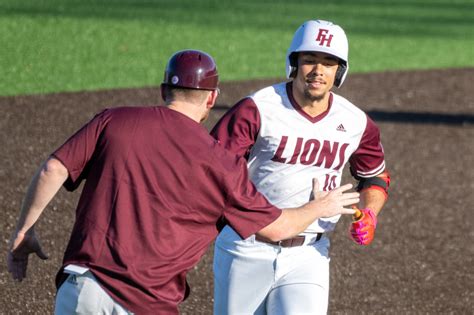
[156,188]
[290,133]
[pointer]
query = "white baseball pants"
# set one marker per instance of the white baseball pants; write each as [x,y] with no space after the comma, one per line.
[82,294]
[252,277]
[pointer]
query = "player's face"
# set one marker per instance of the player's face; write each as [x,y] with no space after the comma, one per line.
[315,76]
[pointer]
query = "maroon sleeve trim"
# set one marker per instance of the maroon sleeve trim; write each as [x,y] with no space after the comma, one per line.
[368,159]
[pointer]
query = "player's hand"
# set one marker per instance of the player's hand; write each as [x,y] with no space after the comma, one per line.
[362,230]
[21,246]
[334,201]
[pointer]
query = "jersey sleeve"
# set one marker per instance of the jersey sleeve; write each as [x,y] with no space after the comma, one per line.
[246,210]
[237,130]
[368,160]
[78,150]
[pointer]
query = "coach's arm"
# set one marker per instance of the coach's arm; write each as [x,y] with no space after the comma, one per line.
[325,204]
[43,187]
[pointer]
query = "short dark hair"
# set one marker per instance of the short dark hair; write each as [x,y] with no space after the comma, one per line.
[184,94]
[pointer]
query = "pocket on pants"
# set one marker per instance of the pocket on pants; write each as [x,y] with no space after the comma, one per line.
[79,294]
[82,294]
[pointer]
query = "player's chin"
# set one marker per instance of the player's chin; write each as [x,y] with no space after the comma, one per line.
[314,94]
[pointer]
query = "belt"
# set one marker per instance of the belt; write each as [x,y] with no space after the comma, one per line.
[291,242]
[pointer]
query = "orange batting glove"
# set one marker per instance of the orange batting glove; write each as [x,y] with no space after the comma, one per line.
[362,230]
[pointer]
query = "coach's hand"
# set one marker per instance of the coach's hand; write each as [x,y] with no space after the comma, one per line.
[21,246]
[334,202]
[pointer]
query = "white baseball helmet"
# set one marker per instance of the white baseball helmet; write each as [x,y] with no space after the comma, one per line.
[321,36]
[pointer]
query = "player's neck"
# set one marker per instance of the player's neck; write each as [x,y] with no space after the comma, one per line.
[314,107]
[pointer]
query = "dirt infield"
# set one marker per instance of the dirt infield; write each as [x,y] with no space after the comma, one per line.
[422,260]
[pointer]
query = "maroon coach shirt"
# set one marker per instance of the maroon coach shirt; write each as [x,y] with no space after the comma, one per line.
[157,189]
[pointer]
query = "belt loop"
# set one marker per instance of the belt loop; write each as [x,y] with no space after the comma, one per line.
[319,237]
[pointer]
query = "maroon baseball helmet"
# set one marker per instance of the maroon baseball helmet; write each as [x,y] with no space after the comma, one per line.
[192,69]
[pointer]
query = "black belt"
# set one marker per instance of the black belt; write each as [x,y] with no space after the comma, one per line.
[291,242]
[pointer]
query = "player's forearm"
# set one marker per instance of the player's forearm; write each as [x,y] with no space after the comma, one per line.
[373,199]
[43,187]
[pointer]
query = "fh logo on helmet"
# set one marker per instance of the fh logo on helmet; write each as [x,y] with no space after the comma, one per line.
[324,38]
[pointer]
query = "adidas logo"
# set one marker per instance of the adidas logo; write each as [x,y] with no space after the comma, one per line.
[341,128]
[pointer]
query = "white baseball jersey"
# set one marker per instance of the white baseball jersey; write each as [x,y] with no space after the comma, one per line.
[286,148]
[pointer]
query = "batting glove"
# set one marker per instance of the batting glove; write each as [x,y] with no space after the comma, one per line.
[362,230]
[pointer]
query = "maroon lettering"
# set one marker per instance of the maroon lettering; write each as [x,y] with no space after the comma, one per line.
[281,147]
[342,156]
[294,158]
[322,37]
[327,154]
[311,147]
[309,151]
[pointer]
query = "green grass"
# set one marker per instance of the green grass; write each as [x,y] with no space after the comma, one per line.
[70,45]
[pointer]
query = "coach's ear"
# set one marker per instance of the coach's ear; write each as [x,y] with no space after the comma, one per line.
[211,98]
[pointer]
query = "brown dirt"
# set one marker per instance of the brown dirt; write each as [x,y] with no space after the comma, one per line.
[421,261]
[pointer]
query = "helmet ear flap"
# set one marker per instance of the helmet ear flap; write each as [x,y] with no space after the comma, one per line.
[340,74]
[293,59]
